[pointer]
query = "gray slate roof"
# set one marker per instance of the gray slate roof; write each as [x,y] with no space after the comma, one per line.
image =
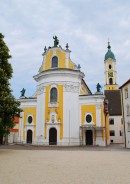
[114,99]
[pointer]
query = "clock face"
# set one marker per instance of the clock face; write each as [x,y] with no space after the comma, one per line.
[110,74]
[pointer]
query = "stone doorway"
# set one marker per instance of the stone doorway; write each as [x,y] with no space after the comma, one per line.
[29,136]
[52,136]
[89,137]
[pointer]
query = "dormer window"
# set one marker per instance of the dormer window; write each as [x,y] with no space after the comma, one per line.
[54,63]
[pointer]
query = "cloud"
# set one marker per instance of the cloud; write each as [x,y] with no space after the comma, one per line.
[86,25]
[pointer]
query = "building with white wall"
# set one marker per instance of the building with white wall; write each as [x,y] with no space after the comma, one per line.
[63,110]
[125,94]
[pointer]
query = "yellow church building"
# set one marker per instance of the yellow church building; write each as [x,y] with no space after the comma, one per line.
[63,110]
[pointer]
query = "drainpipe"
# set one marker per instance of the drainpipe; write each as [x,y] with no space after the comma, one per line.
[69,127]
[123,115]
[105,130]
[106,114]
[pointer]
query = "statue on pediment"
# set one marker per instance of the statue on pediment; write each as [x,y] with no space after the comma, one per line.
[56,41]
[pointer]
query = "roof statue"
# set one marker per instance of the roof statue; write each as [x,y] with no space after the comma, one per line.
[56,41]
[79,66]
[23,92]
[67,46]
[98,87]
[45,49]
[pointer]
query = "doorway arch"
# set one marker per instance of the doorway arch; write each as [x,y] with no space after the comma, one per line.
[89,137]
[52,136]
[29,136]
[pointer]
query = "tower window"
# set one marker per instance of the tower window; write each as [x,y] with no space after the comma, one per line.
[54,63]
[53,95]
[110,67]
[110,81]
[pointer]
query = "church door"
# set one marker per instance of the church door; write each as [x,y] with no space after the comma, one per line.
[52,136]
[89,137]
[29,136]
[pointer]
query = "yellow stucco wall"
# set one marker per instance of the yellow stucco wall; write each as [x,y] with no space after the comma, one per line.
[88,109]
[71,64]
[104,118]
[111,87]
[48,59]
[58,110]
[61,60]
[84,89]
[29,111]
[113,75]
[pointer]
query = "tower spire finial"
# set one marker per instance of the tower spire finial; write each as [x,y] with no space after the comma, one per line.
[109,47]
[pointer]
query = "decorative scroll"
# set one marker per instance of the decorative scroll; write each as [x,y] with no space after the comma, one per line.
[71,88]
[40,89]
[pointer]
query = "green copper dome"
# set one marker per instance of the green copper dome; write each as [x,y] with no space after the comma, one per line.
[109,53]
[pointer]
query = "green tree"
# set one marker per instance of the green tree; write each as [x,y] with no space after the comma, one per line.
[9,106]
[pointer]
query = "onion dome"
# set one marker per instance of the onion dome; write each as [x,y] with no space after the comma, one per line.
[109,53]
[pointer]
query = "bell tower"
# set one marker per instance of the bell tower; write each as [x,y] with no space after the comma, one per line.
[110,70]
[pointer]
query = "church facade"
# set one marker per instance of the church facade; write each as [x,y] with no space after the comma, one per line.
[63,110]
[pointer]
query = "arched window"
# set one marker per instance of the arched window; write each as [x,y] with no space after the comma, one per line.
[53,95]
[110,67]
[54,63]
[110,81]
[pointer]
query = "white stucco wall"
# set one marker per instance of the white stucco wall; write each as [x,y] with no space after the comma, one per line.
[126,115]
[70,80]
[117,127]
[40,118]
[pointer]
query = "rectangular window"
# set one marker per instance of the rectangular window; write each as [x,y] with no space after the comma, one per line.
[112,133]
[111,121]
[128,126]
[120,133]
[128,110]
[126,93]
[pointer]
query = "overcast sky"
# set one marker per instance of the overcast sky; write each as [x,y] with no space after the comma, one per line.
[86,25]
